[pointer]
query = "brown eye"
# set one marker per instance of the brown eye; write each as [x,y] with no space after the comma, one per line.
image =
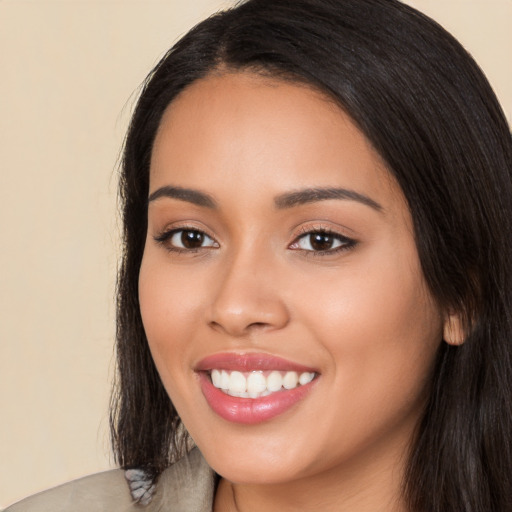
[188,239]
[321,241]
[191,239]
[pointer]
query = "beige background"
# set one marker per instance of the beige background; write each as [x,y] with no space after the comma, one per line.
[69,71]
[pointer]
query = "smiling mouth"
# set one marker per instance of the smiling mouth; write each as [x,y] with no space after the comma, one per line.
[251,388]
[257,384]
[240,407]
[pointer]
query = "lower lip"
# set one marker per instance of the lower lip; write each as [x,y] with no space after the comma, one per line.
[251,410]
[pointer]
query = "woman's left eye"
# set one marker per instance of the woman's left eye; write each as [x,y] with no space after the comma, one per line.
[322,241]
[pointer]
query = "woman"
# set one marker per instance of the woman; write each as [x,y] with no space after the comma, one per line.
[316,279]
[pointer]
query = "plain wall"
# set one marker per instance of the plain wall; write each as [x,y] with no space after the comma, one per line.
[69,72]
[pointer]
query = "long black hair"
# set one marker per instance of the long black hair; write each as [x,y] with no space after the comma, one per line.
[427,108]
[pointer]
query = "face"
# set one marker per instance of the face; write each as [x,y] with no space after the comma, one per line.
[280,263]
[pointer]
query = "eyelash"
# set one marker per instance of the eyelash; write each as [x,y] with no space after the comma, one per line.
[165,237]
[345,242]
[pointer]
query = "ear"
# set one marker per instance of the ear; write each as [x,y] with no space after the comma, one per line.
[453,331]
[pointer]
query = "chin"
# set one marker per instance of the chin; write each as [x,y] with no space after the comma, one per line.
[266,459]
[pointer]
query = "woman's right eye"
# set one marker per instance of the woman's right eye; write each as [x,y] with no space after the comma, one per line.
[186,240]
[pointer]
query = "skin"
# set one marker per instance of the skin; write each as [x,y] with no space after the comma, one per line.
[361,316]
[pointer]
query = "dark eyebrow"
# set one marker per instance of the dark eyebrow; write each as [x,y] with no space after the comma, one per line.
[184,194]
[311,195]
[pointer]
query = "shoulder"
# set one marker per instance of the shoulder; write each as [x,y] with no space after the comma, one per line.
[187,486]
[96,492]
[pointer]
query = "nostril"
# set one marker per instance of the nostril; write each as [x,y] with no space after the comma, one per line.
[257,325]
[239,314]
[254,326]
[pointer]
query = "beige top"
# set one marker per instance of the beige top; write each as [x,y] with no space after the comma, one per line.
[187,486]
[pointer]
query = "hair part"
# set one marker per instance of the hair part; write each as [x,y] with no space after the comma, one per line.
[428,110]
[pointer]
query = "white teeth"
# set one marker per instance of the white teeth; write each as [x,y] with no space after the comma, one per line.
[274,381]
[216,378]
[255,384]
[237,382]
[306,378]
[224,380]
[290,380]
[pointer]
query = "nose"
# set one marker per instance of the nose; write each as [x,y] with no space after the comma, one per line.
[247,299]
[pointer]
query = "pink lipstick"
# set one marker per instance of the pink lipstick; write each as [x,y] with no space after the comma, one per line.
[252,388]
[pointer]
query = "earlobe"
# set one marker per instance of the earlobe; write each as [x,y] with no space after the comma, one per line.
[453,331]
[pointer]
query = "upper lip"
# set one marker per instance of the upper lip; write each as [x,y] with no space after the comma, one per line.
[249,362]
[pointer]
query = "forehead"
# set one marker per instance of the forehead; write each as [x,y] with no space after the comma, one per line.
[245,130]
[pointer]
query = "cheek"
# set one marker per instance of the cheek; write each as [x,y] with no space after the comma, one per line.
[380,333]
[169,302]
[378,325]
